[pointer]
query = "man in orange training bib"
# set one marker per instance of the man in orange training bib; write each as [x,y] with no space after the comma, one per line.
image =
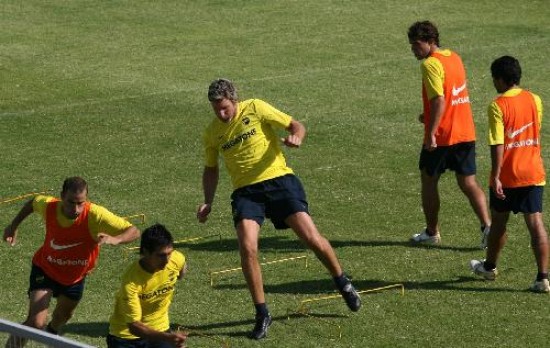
[449,133]
[75,228]
[517,173]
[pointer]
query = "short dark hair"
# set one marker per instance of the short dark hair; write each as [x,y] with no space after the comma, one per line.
[222,89]
[507,69]
[154,237]
[74,184]
[423,31]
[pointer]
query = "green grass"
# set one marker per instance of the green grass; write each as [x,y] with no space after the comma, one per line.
[115,91]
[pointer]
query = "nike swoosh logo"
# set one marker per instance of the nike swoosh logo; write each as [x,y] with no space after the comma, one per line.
[456,91]
[62,247]
[513,134]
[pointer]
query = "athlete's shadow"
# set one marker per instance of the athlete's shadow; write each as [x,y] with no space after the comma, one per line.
[291,243]
[214,329]
[326,286]
[91,329]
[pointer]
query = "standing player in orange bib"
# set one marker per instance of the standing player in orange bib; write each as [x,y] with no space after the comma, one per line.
[449,132]
[517,173]
[75,228]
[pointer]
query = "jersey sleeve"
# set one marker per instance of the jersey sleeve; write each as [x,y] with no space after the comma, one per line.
[40,203]
[496,124]
[102,220]
[130,307]
[210,151]
[179,259]
[538,103]
[273,116]
[433,76]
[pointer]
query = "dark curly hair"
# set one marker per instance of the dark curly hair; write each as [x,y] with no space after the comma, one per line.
[423,31]
[507,69]
[154,237]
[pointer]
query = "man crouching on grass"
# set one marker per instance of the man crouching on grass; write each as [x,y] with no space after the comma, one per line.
[140,319]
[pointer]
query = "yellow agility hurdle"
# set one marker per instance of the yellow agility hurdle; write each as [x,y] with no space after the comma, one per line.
[302,308]
[181,241]
[230,270]
[30,194]
[192,239]
[304,311]
[131,217]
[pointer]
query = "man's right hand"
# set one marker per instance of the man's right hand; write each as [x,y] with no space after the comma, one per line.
[203,212]
[178,339]
[10,235]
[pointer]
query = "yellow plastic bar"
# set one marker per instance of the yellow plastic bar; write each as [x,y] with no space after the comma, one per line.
[302,307]
[130,217]
[183,241]
[30,194]
[229,270]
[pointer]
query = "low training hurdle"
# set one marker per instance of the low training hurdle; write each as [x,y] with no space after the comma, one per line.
[192,239]
[230,270]
[30,194]
[135,216]
[181,241]
[302,308]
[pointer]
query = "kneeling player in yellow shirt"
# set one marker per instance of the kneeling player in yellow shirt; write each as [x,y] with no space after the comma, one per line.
[140,319]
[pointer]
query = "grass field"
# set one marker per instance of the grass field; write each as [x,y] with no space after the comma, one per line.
[115,91]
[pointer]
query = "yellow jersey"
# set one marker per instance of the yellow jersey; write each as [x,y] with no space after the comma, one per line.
[249,143]
[145,297]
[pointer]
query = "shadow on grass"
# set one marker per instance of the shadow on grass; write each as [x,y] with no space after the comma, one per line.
[326,286]
[101,329]
[210,328]
[292,244]
[279,243]
[91,329]
[448,284]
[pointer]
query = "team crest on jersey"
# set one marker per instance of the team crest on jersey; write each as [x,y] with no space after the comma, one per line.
[246,121]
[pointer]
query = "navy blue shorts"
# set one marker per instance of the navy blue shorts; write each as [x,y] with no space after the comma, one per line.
[460,158]
[275,199]
[527,200]
[117,342]
[39,280]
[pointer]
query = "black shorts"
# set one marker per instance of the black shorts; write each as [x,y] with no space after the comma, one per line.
[527,200]
[460,158]
[117,342]
[39,280]
[275,199]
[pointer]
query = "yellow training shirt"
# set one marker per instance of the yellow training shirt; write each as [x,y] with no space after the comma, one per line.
[99,218]
[248,143]
[433,75]
[145,297]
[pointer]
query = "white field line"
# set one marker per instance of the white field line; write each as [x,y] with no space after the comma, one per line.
[298,74]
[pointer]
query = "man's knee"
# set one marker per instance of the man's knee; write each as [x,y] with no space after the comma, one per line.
[248,249]
[315,241]
[467,183]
